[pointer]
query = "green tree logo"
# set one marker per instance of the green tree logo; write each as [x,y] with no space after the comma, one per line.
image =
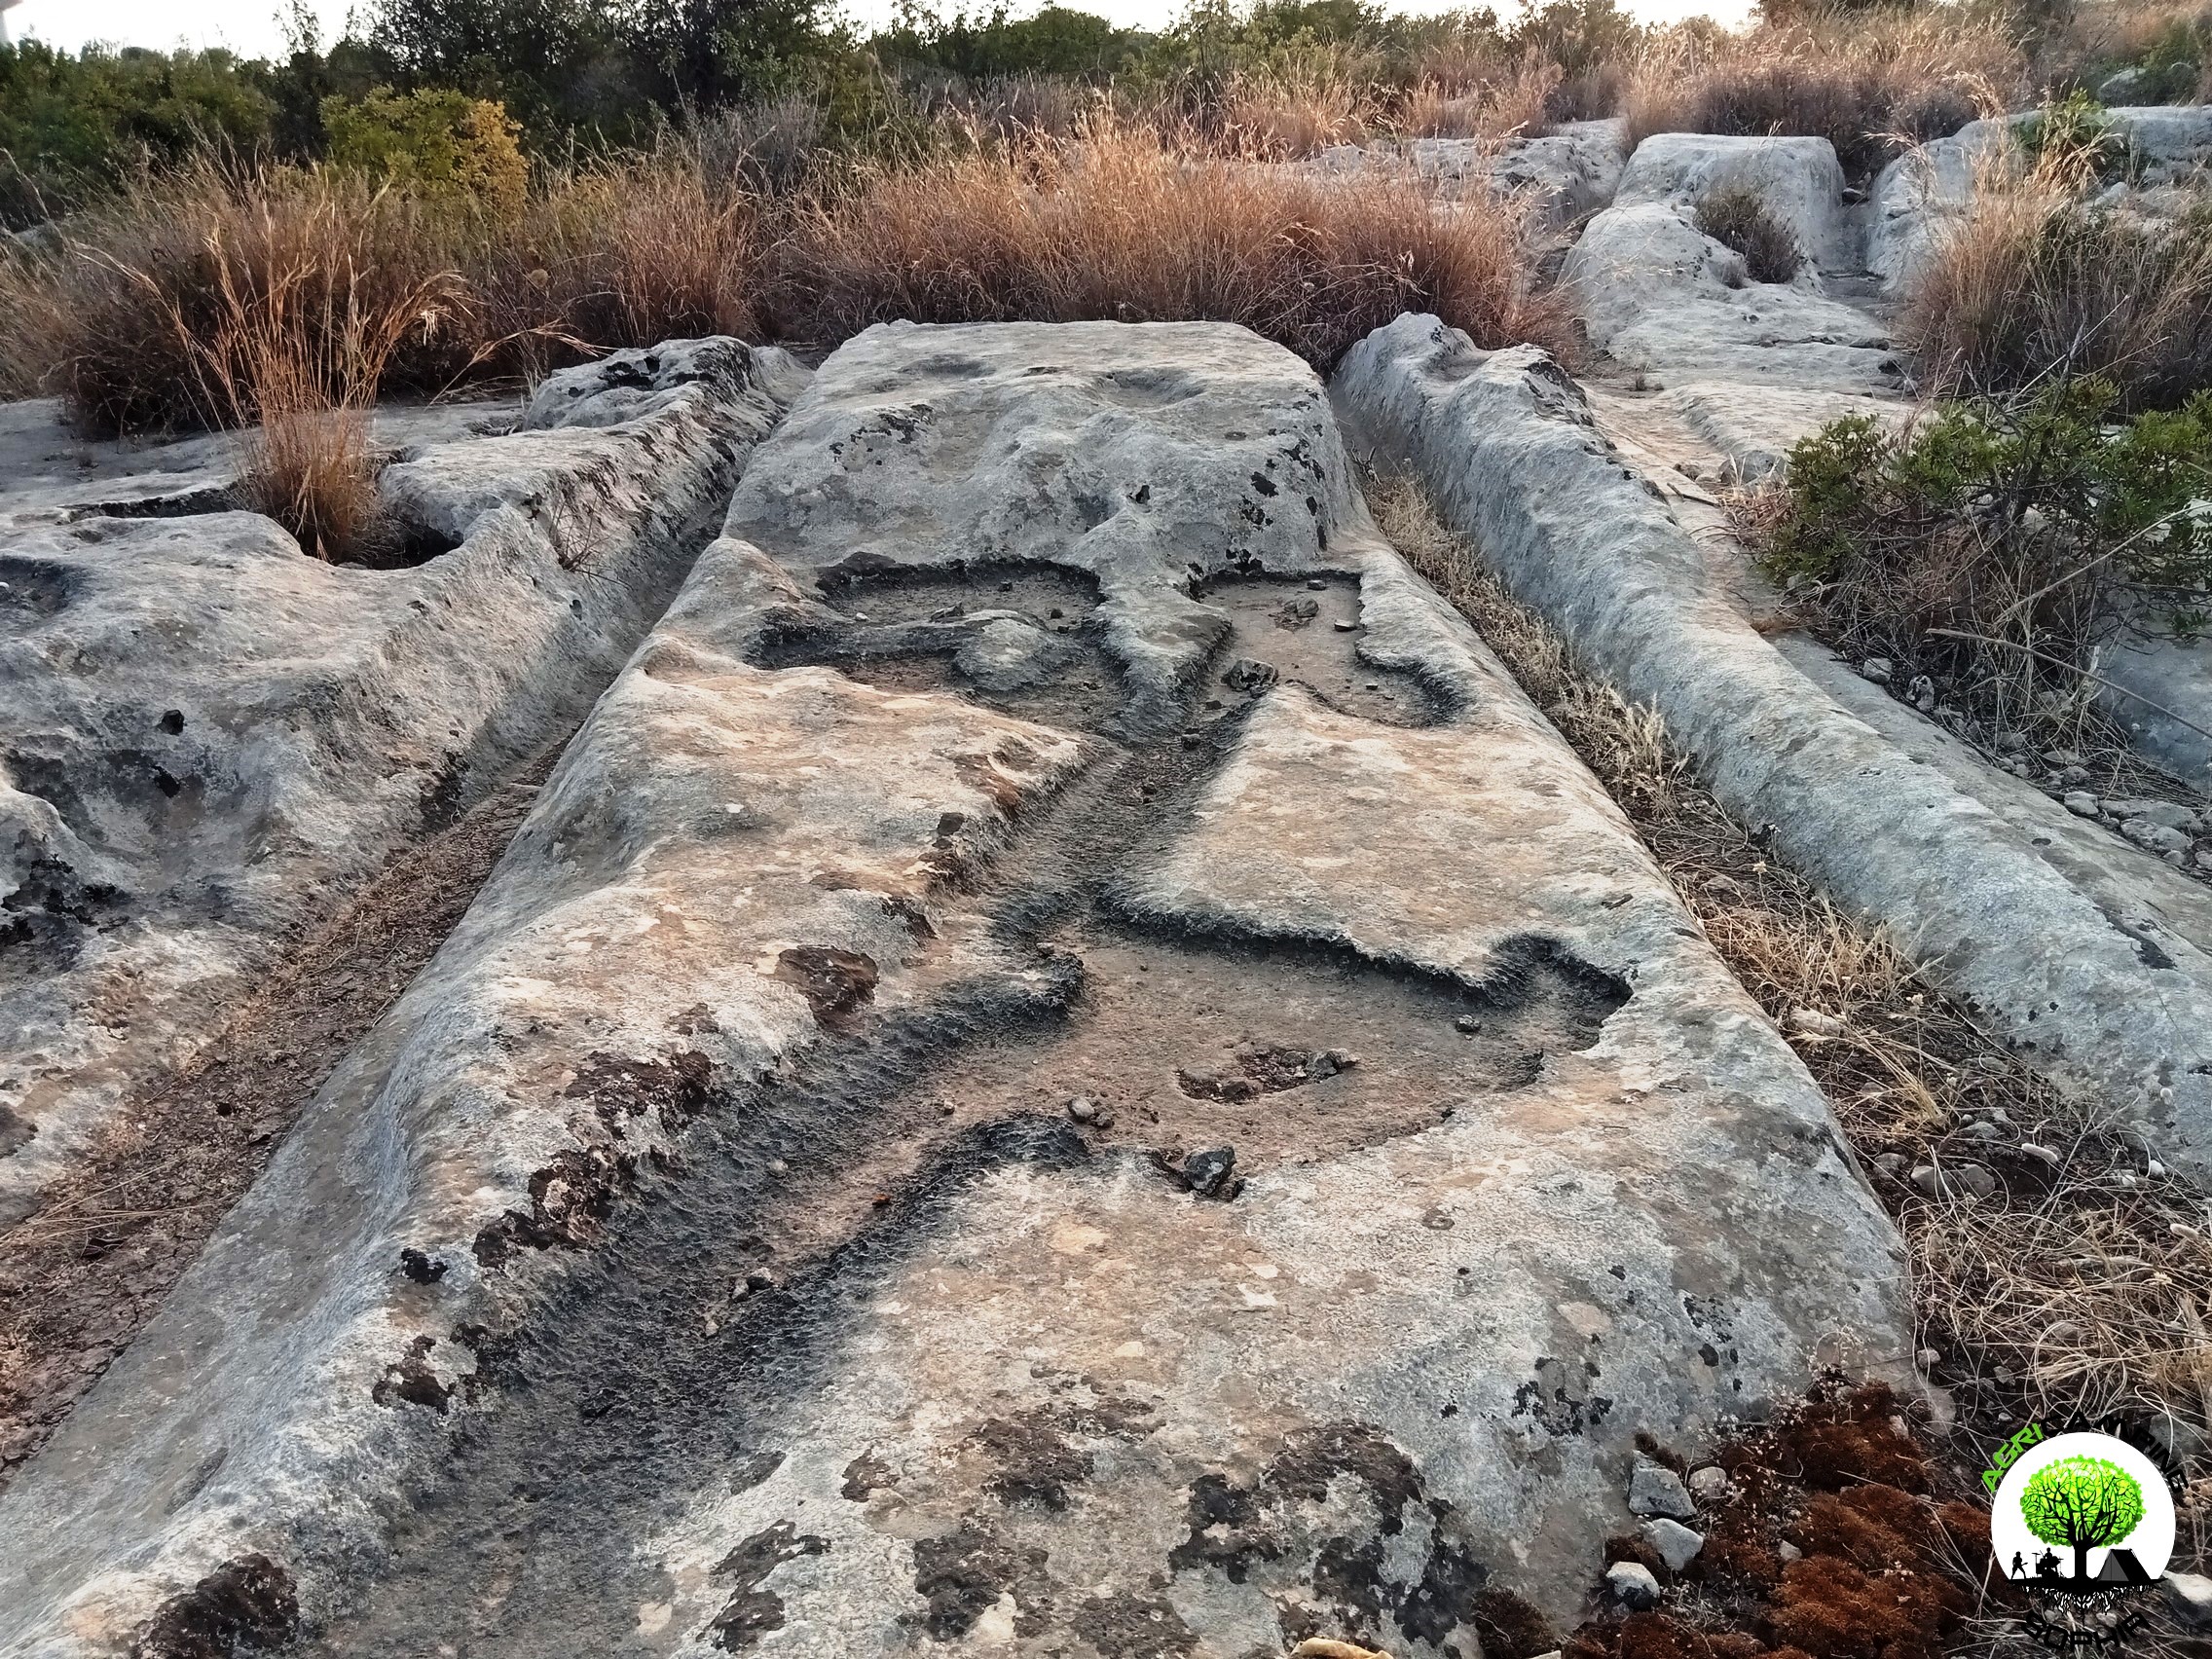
[2081,1503]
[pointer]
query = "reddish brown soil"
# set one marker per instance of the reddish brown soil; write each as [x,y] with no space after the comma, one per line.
[94,1264]
[1886,1570]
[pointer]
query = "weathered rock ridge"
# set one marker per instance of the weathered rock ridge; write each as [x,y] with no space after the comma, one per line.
[1063,1062]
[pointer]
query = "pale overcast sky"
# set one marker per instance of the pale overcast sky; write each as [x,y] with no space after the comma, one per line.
[250,28]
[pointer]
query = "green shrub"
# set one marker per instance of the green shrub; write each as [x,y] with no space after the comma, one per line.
[70,126]
[439,146]
[1995,544]
[2076,135]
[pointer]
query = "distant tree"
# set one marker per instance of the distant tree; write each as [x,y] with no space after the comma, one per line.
[2081,1504]
[442,146]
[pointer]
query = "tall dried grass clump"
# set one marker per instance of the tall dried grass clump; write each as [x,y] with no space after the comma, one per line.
[2033,282]
[1871,85]
[1128,226]
[119,318]
[295,363]
[1512,99]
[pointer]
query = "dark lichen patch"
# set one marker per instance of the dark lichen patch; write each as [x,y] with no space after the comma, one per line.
[835,983]
[963,1574]
[571,1200]
[1124,1626]
[409,1380]
[248,1604]
[752,1611]
[864,1476]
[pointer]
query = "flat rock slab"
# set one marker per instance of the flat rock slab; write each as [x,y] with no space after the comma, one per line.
[705,1255]
[208,739]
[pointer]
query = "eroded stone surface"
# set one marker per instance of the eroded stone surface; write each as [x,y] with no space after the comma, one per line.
[206,739]
[707,1249]
[1996,900]
[1673,305]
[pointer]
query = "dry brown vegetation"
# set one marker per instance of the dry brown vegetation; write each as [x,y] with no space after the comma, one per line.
[2034,280]
[1870,82]
[1123,222]
[2081,1280]
[1124,226]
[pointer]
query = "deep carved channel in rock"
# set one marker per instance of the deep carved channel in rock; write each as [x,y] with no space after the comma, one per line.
[675,1347]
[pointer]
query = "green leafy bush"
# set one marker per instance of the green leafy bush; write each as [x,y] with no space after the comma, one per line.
[2077,136]
[1997,543]
[440,146]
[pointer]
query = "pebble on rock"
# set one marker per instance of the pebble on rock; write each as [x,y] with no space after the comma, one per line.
[1208,1172]
[1656,1489]
[1678,1546]
[1708,1483]
[2081,803]
[1633,1583]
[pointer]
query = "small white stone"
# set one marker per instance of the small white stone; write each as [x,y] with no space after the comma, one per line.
[1789,1551]
[1708,1483]
[1678,1546]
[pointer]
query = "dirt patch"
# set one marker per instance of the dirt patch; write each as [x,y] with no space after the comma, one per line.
[79,1278]
[1834,1540]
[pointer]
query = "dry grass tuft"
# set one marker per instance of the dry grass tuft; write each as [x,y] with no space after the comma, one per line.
[2082,1281]
[1870,83]
[294,360]
[2032,283]
[1736,217]
[1128,226]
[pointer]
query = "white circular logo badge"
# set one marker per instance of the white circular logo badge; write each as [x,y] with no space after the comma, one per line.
[2082,1514]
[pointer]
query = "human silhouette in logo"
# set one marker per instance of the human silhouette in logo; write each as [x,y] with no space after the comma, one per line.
[2019,1566]
[2047,1564]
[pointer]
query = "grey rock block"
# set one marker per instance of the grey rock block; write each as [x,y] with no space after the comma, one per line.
[1632,1583]
[1653,1489]
[1678,1546]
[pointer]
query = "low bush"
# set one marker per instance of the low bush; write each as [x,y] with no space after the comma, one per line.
[1996,545]
[461,151]
[1736,216]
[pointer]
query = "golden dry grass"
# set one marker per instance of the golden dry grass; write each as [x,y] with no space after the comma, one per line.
[2083,1282]
[1128,226]
[2033,282]
[1869,82]
[1123,221]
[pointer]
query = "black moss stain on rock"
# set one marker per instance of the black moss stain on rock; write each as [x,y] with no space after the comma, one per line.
[1347,1587]
[572,1198]
[835,983]
[248,1604]
[1124,1626]
[753,1610]
[963,1574]
[409,1380]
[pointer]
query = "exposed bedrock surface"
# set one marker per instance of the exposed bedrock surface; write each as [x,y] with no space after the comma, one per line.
[1563,174]
[207,739]
[1918,198]
[1673,305]
[796,1208]
[2096,962]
